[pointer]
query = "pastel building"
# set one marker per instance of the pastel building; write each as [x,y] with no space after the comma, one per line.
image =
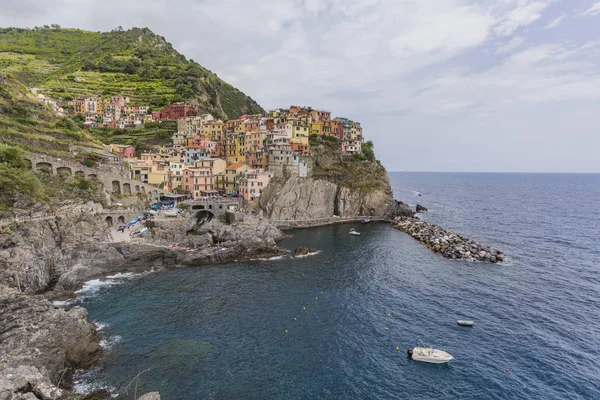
[198,182]
[252,183]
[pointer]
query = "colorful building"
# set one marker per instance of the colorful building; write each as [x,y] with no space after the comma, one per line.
[252,183]
[198,182]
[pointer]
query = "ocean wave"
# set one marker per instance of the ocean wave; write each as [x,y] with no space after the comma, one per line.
[93,286]
[308,255]
[108,342]
[100,325]
[63,303]
[86,382]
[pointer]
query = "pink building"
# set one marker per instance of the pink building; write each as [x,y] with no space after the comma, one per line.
[198,182]
[253,183]
[125,151]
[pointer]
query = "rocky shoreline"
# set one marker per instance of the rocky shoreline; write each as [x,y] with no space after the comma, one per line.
[448,244]
[51,259]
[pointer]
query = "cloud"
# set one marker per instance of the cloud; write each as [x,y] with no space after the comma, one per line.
[511,45]
[592,11]
[524,14]
[452,72]
[555,22]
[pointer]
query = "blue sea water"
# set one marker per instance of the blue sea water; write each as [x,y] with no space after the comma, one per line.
[315,327]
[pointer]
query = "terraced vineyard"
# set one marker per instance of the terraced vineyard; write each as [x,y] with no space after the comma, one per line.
[66,63]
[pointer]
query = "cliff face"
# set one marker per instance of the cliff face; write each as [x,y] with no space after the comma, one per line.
[346,186]
[297,199]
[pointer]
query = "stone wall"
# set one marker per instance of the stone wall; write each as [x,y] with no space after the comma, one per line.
[114,180]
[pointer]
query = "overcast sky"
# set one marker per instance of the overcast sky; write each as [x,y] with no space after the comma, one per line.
[439,85]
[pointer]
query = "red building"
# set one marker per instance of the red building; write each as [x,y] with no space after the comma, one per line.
[176,111]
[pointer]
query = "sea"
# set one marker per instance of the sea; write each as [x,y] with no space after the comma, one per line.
[337,324]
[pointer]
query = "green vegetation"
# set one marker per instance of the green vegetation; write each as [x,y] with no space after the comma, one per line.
[66,63]
[360,172]
[153,133]
[20,186]
[31,126]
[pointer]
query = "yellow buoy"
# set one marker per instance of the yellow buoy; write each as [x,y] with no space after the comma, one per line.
[295,318]
[286,331]
[397,348]
[316,298]
[402,308]
[321,292]
[389,315]
[386,329]
[304,308]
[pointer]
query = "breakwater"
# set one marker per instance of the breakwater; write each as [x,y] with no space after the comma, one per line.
[449,244]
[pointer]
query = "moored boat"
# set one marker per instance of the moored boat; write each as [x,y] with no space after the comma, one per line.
[366,221]
[465,322]
[429,354]
[353,232]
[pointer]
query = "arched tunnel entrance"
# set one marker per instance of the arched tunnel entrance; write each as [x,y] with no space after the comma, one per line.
[201,218]
[109,221]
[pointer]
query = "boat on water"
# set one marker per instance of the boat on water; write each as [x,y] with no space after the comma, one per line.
[353,232]
[366,221]
[465,322]
[423,353]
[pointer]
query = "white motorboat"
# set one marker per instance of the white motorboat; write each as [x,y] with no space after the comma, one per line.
[353,232]
[429,355]
[465,322]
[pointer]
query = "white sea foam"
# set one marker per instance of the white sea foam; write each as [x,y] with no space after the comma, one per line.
[100,325]
[308,255]
[93,286]
[86,382]
[63,303]
[123,275]
[109,341]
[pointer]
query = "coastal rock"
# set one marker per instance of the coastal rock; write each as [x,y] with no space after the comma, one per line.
[302,251]
[150,396]
[39,341]
[449,244]
[420,208]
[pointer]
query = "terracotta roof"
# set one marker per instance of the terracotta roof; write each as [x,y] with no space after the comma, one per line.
[235,166]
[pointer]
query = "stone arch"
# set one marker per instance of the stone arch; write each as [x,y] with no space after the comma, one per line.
[203,217]
[121,219]
[126,188]
[116,187]
[43,165]
[137,188]
[109,221]
[93,176]
[80,174]
[64,170]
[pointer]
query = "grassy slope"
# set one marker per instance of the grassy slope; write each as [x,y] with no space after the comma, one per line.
[67,63]
[355,172]
[31,126]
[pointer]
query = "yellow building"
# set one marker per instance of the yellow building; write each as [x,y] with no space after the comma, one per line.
[232,175]
[316,128]
[158,175]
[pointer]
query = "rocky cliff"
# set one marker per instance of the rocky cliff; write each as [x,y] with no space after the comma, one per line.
[346,186]
[51,258]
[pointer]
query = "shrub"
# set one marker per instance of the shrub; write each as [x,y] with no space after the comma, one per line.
[88,162]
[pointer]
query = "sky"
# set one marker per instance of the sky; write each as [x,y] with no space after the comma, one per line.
[438,85]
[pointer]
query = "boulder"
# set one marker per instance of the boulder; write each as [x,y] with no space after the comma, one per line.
[420,208]
[302,251]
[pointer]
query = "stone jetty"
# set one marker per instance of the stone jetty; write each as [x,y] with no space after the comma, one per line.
[448,244]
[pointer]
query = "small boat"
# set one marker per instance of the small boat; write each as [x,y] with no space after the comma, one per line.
[465,322]
[429,355]
[353,232]
[366,221]
[171,213]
